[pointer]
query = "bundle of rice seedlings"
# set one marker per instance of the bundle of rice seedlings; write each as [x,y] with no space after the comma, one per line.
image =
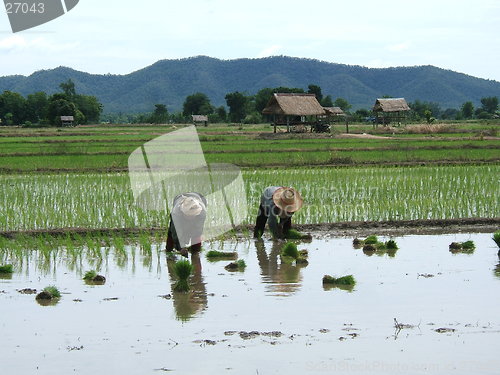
[48,293]
[344,280]
[391,245]
[371,240]
[239,265]
[214,254]
[7,268]
[496,238]
[182,269]
[89,275]
[290,250]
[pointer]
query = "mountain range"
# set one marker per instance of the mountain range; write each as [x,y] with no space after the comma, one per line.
[170,81]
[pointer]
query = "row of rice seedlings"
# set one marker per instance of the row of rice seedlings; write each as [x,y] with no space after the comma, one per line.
[331,195]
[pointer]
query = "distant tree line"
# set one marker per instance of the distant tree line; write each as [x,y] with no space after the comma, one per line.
[40,109]
[247,109]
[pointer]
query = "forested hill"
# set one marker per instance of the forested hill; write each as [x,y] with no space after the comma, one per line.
[170,81]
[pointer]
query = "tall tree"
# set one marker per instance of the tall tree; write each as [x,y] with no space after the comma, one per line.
[316,90]
[12,108]
[237,102]
[467,110]
[490,104]
[342,103]
[89,106]
[36,107]
[160,115]
[327,101]
[68,88]
[197,104]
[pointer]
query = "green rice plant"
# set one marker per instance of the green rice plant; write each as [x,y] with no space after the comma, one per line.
[7,269]
[391,245]
[344,280]
[214,255]
[90,275]
[53,291]
[371,240]
[290,250]
[496,238]
[293,234]
[182,269]
[468,245]
[239,265]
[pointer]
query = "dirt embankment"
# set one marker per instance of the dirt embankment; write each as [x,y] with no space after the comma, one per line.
[352,228]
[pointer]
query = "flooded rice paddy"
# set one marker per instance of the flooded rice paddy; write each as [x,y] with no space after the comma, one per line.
[271,318]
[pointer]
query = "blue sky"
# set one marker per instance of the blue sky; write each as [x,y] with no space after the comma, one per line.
[119,37]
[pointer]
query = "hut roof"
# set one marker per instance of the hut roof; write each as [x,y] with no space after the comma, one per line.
[391,105]
[199,118]
[334,111]
[293,104]
[67,118]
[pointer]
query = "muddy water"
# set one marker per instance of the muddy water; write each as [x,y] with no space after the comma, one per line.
[272,318]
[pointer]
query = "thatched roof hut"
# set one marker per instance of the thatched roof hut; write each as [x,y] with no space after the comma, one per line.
[67,120]
[334,111]
[390,110]
[200,119]
[293,105]
[391,105]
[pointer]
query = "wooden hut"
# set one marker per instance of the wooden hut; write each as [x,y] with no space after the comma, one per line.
[200,119]
[389,110]
[67,120]
[293,109]
[334,113]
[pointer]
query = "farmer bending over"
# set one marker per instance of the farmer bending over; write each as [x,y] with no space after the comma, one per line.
[186,222]
[277,203]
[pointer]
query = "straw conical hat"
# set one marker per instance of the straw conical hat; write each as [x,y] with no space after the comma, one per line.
[288,199]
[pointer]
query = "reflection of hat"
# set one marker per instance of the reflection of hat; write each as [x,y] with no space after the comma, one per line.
[287,199]
[191,206]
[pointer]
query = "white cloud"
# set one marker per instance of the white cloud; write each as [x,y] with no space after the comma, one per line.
[269,51]
[37,44]
[398,47]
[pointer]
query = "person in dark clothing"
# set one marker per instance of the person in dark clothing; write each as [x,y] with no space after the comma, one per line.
[187,220]
[277,203]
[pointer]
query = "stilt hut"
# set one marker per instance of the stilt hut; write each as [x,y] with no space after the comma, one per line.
[293,109]
[67,120]
[390,110]
[200,119]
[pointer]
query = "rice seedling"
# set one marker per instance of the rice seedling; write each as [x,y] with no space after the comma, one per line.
[468,245]
[239,265]
[49,292]
[496,238]
[6,269]
[216,255]
[391,245]
[293,234]
[182,269]
[89,275]
[344,280]
[290,250]
[462,247]
[371,240]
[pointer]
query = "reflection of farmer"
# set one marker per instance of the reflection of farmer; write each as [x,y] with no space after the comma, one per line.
[277,203]
[186,222]
[283,278]
[189,304]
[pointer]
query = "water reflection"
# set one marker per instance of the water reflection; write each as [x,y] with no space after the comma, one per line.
[280,278]
[188,305]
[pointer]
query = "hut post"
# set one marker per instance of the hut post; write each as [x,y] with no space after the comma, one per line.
[288,124]
[274,121]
